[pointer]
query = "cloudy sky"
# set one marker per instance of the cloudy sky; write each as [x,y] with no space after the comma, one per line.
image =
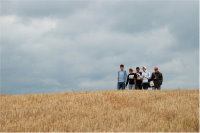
[70,45]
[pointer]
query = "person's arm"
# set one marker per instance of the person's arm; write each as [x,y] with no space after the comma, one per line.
[141,75]
[149,75]
[152,76]
[125,76]
[135,78]
[118,77]
[127,80]
[161,77]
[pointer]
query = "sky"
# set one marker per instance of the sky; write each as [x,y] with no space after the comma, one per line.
[50,46]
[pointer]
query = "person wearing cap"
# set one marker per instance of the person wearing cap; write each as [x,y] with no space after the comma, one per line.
[146,77]
[157,79]
[138,79]
[121,78]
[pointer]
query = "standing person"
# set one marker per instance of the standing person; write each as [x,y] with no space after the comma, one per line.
[131,79]
[121,78]
[157,79]
[138,79]
[146,77]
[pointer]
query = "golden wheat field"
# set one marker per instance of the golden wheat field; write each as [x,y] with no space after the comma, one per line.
[128,110]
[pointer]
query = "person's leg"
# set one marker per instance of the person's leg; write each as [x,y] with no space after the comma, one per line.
[136,86]
[153,88]
[140,86]
[145,86]
[158,88]
[119,85]
[129,86]
[133,86]
[123,86]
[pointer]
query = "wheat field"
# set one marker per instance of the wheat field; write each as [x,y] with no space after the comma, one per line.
[127,111]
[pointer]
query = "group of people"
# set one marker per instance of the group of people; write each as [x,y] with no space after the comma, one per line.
[139,80]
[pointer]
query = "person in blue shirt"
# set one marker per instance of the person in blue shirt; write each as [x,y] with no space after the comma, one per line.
[121,78]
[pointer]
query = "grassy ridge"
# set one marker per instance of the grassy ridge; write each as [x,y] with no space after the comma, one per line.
[166,110]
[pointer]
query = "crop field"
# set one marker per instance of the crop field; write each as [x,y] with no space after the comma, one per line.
[113,110]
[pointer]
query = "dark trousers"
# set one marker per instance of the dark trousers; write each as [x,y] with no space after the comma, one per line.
[156,88]
[121,85]
[138,86]
[145,86]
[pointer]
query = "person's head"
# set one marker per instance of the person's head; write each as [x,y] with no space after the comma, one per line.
[156,69]
[144,68]
[121,67]
[130,70]
[137,69]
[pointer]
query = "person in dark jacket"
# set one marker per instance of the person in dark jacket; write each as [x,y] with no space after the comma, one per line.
[157,79]
[131,79]
[138,79]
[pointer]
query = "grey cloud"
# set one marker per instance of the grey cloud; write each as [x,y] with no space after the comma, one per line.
[42,8]
[180,16]
[57,48]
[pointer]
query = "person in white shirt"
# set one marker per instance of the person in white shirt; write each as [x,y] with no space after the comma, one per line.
[146,76]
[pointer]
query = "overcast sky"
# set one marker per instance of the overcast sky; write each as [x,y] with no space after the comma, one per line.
[64,45]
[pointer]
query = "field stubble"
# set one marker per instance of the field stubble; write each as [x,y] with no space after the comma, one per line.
[129,110]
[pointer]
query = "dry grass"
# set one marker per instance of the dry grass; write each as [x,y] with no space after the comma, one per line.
[169,110]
